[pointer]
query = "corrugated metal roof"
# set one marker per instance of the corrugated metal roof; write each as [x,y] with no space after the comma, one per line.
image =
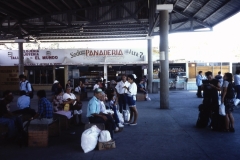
[51,20]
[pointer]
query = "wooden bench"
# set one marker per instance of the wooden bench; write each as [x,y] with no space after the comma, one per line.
[64,122]
[38,135]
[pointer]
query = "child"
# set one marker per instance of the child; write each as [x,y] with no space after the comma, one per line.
[113,106]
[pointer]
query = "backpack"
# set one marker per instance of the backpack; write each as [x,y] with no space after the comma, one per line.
[32,93]
[230,91]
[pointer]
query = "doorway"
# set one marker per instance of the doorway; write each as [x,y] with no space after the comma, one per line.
[59,74]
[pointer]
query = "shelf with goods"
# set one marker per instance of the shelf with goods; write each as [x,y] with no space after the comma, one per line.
[90,78]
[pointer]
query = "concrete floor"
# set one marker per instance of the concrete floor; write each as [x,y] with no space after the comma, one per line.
[160,134]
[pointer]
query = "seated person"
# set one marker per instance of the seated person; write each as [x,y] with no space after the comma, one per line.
[58,100]
[23,103]
[45,110]
[7,118]
[142,89]
[113,106]
[75,106]
[95,116]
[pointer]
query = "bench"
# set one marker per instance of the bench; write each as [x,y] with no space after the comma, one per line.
[63,119]
[38,133]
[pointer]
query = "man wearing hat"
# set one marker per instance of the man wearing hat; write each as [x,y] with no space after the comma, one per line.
[95,116]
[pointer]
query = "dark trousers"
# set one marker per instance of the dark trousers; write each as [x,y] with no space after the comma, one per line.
[109,124]
[122,101]
[114,108]
[26,111]
[199,91]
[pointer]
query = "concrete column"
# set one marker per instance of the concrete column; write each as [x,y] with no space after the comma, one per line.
[21,58]
[54,73]
[66,77]
[105,72]
[164,76]
[230,68]
[150,66]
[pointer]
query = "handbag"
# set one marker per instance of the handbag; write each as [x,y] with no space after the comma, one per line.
[222,110]
[76,106]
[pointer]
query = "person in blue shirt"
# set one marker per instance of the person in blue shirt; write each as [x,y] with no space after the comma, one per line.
[45,110]
[23,103]
[95,116]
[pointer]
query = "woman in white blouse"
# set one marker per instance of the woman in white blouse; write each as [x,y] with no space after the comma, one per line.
[131,99]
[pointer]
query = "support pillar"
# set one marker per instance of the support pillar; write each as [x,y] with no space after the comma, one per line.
[66,75]
[164,76]
[21,58]
[105,72]
[150,66]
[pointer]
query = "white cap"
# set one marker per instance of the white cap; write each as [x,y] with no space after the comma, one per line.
[56,81]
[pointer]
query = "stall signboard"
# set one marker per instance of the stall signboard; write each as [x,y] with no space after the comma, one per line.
[72,56]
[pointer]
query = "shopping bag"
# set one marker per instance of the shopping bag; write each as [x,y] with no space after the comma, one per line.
[222,110]
[126,115]
[236,101]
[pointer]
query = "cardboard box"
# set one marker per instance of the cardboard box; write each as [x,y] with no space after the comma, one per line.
[106,145]
[38,135]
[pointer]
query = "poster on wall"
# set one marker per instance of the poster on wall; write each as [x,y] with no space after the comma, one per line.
[9,78]
[73,56]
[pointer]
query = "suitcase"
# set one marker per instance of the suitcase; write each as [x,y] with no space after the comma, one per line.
[217,122]
[203,117]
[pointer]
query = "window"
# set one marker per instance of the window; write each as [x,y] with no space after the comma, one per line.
[40,75]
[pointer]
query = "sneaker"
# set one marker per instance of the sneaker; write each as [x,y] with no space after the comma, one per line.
[126,123]
[133,124]
[116,129]
[120,125]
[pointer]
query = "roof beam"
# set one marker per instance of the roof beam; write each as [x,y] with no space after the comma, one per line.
[155,24]
[40,5]
[175,3]
[18,9]
[6,12]
[79,5]
[194,19]
[49,1]
[27,6]
[89,2]
[188,6]
[217,10]
[180,25]
[66,4]
[205,4]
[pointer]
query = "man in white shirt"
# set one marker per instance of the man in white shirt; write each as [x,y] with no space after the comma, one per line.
[25,85]
[121,92]
[199,79]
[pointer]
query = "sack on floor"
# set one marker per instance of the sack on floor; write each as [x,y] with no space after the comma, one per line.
[104,136]
[120,117]
[89,138]
[236,101]
[126,115]
[217,122]
[222,110]
[203,119]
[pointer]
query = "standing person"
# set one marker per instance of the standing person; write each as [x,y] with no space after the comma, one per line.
[104,85]
[68,84]
[131,99]
[121,92]
[97,85]
[228,100]
[199,79]
[95,116]
[210,88]
[55,87]
[220,79]
[237,83]
[25,85]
